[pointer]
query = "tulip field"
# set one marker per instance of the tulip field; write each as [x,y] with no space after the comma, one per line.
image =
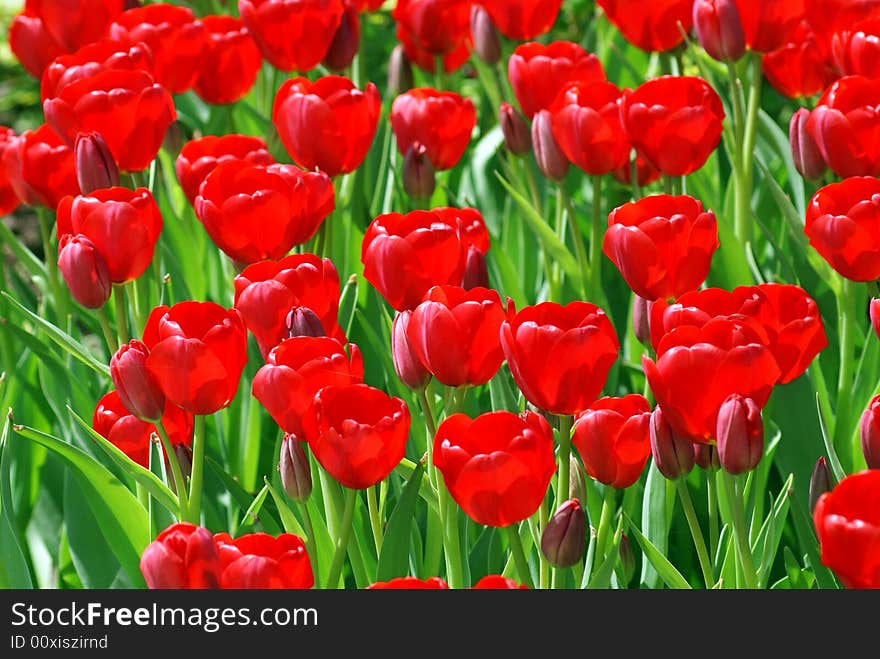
[440,294]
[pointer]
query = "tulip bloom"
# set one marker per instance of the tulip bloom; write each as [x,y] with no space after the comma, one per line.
[440,121]
[798,68]
[104,55]
[200,157]
[296,370]
[869,433]
[261,561]
[84,270]
[662,245]
[719,29]
[455,334]
[405,255]
[40,167]
[538,72]
[674,121]
[844,123]
[767,25]
[287,204]
[847,522]
[559,355]
[128,108]
[843,225]
[292,35]
[175,38]
[266,291]
[498,582]
[804,150]
[95,168]
[75,24]
[138,389]
[586,125]
[410,583]
[739,435]
[31,43]
[123,225]
[651,26]
[435,26]
[197,353]
[328,124]
[407,365]
[830,17]
[359,435]
[523,19]
[8,199]
[612,438]
[182,556]
[231,61]
[856,50]
[498,466]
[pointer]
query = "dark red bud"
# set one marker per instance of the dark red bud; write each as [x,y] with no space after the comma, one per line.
[137,388]
[487,43]
[641,319]
[345,42]
[869,430]
[409,369]
[418,173]
[673,454]
[302,321]
[874,313]
[719,29]
[95,167]
[549,157]
[807,158]
[400,72]
[515,129]
[564,539]
[821,481]
[740,434]
[84,270]
[296,474]
[184,456]
[626,566]
[476,274]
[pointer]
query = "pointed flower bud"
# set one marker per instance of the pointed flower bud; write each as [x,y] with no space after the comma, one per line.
[84,270]
[95,167]
[805,152]
[564,540]
[409,369]
[706,456]
[577,482]
[874,312]
[740,434]
[551,161]
[820,482]
[138,389]
[400,72]
[641,316]
[184,456]
[719,29]
[418,173]
[302,321]
[515,130]
[626,566]
[487,43]
[345,42]
[673,454]
[476,275]
[296,475]
[869,429]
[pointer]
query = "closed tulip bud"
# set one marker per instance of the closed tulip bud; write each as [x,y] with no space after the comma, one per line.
[820,482]
[869,430]
[577,483]
[302,321]
[84,270]
[515,130]
[296,475]
[138,389]
[174,140]
[719,29]
[805,152]
[400,73]
[476,275]
[874,312]
[564,539]
[345,42]
[740,434]
[95,167]
[673,454]
[409,369]
[184,456]
[706,456]
[551,161]
[641,317]
[626,566]
[487,43]
[418,173]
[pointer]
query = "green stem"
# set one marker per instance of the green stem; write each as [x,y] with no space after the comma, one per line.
[579,248]
[745,147]
[544,576]
[688,505]
[107,330]
[375,518]
[553,268]
[564,458]
[602,534]
[634,178]
[56,290]
[847,330]
[176,474]
[342,540]
[596,233]
[519,556]
[198,469]
[712,505]
[121,322]
[740,530]
[454,571]
[311,546]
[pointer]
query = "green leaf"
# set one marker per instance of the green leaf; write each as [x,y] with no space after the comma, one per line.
[348,304]
[14,572]
[767,542]
[671,577]
[241,496]
[24,256]
[833,461]
[394,557]
[654,522]
[251,515]
[288,519]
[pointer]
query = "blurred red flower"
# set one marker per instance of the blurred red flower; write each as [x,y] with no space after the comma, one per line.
[442,122]
[40,167]
[799,67]
[104,55]
[522,19]
[655,26]
[200,157]
[261,561]
[231,61]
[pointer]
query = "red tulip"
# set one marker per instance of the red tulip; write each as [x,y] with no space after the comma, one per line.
[559,355]
[564,538]
[359,435]
[287,204]
[739,434]
[869,433]
[798,68]
[551,161]
[612,438]
[231,61]
[656,26]
[31,43]
[410,583]
[292,35]
[523,19]
[95,167]
[485,36]
[436,26]
[845,125]
[346,40]
[426,61]
[197,353]
[266,291]
[856,50]
[8,199]
[91,59]
[174,36]
[515,129]
[538,73]
[874,313]
[328,124]
[75,23]
[405,255]
[200,157]
[586,125]
[498,582]
[455,334]
[258,560]
[662,245]
[674,121]
[843,225]
[182,556]
[407,365]
[674,455]
[84,270]
[830,17]
[498,466]
[719,29]
[130,111]
[296,370]
[40,167]
[131,435]
[138,389]
[699,367]
[847,522]
[804,150]
[123,224]
[768,24]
